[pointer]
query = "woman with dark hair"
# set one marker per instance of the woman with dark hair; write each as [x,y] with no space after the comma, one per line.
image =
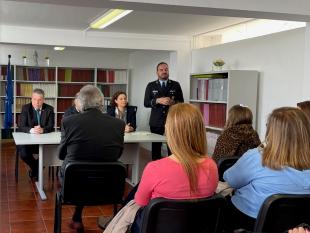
[238,135]
[119,108]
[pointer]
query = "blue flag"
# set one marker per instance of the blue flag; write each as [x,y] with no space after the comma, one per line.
[9,98]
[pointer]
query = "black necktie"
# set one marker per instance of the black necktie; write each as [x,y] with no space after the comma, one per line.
[163,85]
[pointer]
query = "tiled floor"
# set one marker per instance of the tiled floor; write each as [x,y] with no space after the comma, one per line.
[21,208]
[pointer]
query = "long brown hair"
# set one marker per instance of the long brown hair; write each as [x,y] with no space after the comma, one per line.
[305,107]
[237,115]
[287,139]
[186,137]
[115,96]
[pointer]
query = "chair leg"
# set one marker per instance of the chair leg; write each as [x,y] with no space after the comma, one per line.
[56,214]
[16,165]
[58,210]
[53,173]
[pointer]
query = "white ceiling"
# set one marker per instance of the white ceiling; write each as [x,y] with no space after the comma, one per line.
[78,18]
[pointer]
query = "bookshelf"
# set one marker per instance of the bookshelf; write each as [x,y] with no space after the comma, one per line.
[60,85]
[214,93]
[27,79]
[69,81]
[111,81]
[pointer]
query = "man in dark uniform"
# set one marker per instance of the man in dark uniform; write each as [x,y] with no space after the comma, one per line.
[159,95]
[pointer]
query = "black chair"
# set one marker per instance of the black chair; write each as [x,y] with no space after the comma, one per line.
[224,163]
[90,183]
[52,173]
[281,212]
[203,215]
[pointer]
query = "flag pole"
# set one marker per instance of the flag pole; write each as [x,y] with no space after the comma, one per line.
[8,121]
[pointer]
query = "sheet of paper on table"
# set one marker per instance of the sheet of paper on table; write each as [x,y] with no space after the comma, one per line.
[140,133]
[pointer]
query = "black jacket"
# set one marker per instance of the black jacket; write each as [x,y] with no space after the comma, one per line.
[91,136]
[70,111]
[28,118]
[153,91]
[131,114]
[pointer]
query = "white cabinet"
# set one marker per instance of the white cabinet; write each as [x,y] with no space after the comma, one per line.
[214,93]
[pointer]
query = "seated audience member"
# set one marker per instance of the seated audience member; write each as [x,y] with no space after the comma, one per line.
[305,107]
[282,165]
[302,228]
[74,109]
[238,135]
[36,118]
[188,172]
[90,136]
[120,109]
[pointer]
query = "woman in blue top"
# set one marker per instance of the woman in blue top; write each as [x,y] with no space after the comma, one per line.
[119,108]
[282,165]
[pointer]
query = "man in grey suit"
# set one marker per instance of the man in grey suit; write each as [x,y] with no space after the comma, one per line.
[90,136]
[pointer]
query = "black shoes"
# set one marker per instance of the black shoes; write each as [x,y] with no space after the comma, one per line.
[33,175]
[78,226]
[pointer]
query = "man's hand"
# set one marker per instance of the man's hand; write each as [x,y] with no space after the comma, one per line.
[164,101]
[37,129]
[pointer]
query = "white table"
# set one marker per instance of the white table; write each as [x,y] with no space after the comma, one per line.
[48,151]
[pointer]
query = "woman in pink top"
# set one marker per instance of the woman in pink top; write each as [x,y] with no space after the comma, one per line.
[186,174]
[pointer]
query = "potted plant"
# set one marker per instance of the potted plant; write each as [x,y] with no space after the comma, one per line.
[218,63]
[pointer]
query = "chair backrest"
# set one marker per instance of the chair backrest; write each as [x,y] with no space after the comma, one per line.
[184,216]
[93,183]
[224,163]
[281,212]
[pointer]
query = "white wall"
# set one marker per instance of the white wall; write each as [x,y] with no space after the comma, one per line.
[278,57]
[180,63]
[90,39]
[306,80]
[71,56]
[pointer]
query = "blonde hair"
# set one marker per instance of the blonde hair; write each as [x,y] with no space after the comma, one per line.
[287,139]
[238,115]
[186,137]
[305,107]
